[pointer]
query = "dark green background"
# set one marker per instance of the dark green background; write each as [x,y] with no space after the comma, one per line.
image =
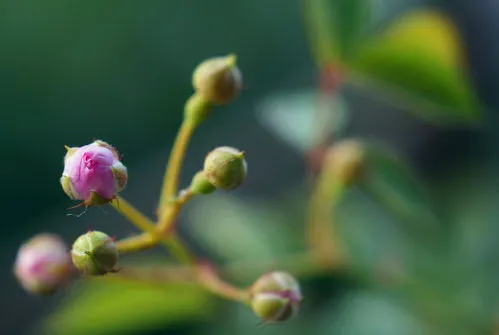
[120,71]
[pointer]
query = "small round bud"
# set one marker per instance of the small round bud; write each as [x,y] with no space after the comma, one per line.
[275,297]
[225,168]
[201,185]
[218,80]
[345,158]
[43,264]
[95,253]
[93,173]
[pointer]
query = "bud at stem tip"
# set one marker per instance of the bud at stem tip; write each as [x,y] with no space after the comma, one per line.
[275,297]
[43,264]
[225,168]
[95,253]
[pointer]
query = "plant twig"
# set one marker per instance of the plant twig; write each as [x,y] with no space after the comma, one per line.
[299,264]
[173,168]
[150,237]
[168,217]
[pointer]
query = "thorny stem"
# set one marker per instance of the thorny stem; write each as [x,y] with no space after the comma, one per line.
[173,168]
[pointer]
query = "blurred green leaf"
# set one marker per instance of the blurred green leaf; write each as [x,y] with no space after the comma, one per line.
[240,320]
[391,182]
[303,118]
[420,58]
[336,27]
[105,306]
[240,230]
[370,313]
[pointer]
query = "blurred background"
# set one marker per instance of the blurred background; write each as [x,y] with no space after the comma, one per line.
[120,71]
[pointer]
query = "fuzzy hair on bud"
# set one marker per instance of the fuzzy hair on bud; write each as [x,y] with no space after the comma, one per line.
[43,264]
[95,253]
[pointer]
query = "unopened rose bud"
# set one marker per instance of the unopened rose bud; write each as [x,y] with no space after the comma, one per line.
[93,173]
[200,184]
[218,80]
[275,297]
[225,168]
[43,264]
[95,253]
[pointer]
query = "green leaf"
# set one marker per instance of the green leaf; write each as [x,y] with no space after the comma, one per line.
[419,58]
[370,313]
[106,306]
[336,27]
[391,183]
[303,118]
[239,230]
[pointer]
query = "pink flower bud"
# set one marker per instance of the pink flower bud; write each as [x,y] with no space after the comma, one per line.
[93,173]
[43,264]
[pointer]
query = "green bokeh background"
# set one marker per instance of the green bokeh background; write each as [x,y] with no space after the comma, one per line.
[71,72]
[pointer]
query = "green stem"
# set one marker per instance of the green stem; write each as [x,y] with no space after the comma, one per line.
[133,215]
[173,168]
[211,280]
[323,238]
[167,219]
[150,237]
[300,265]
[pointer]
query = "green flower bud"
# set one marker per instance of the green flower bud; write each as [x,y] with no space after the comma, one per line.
[201,185]
[345,159]
[94,253]
[225,168]
[218,80]
[275,297]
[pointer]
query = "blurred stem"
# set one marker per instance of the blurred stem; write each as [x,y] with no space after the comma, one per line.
[323,239]
[174,166]
[210,279]
[150,237]
[133,215]
[329,84]
[300,265]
